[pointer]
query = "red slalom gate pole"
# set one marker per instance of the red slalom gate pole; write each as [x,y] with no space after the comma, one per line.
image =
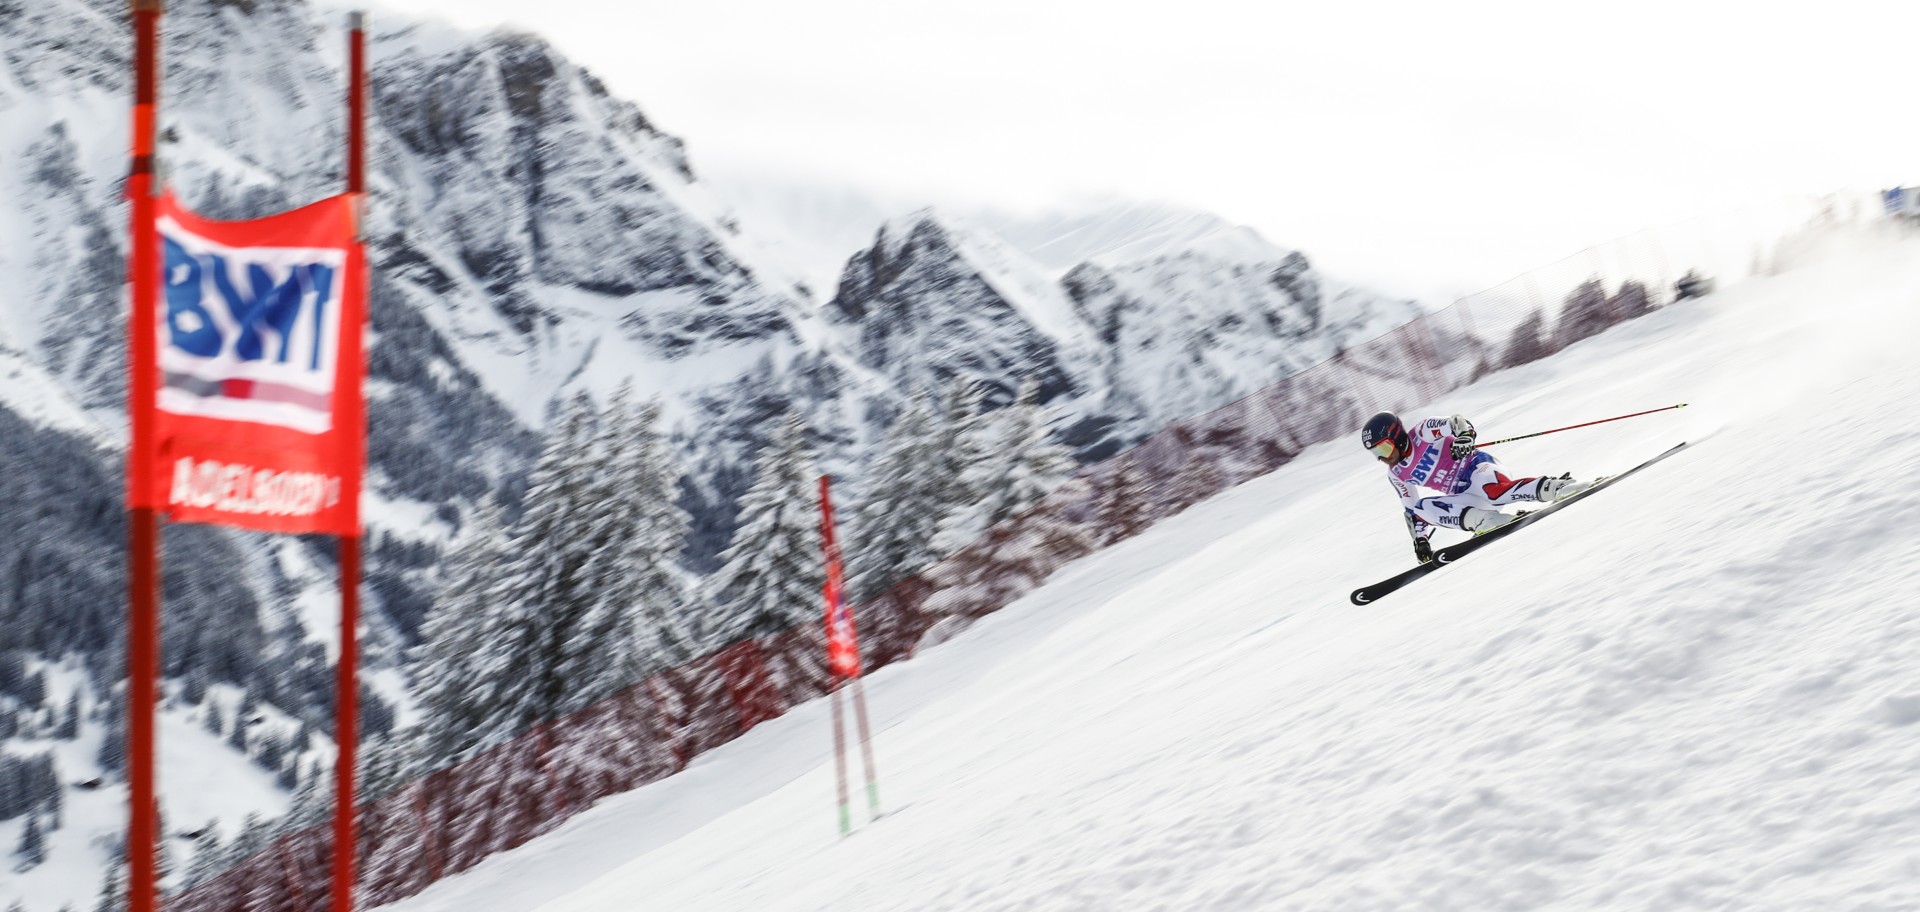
[346,724]
[866,748]
[843,660]
[347,679]
[1664,408]
[143,518]
[840,762]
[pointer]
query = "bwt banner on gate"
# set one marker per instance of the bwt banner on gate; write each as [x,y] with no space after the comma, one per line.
[258,421]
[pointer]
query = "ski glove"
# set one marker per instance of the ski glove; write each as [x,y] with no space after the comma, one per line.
[1463,435]
[1419,529]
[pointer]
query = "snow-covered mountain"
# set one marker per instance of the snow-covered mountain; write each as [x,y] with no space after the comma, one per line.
[931,300]
[1150,332]
[531,236]
[1209,320]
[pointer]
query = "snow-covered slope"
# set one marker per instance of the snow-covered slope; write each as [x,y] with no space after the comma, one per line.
[1694,690]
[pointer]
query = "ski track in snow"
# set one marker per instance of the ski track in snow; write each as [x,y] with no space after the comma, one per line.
[1696,690]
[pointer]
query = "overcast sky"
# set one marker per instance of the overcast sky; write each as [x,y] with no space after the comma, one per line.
[1433,148]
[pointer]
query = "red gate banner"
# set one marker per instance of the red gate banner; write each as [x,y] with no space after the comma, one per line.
[259,421]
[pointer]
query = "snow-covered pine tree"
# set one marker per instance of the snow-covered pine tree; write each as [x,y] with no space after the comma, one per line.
[381,769]
[267,752]
[958,440]
[113,888]
[1017,465]
[898,512]
[32,849]
[69,727]
[163,851]
[237,736]
[248,842]
[770,577]
[548,591]
[376,714]
[54,805]
[313,798]
[27,783]
[647,532]
[206,856]
[13,793]
[112,756]
[1022,466]
[34,694]
[193,690]
[1009,561]
[448,668]
[576,540]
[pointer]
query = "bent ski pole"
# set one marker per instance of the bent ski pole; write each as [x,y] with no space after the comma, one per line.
[1664,408]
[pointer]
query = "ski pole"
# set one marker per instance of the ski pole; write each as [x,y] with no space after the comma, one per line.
[1664,408]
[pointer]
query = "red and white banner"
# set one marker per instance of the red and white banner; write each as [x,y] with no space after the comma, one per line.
[843,642]
[259,421]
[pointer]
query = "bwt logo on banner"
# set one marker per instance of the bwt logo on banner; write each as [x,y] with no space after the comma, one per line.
[250,334]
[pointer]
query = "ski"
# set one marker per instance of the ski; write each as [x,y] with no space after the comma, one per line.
[1444,556]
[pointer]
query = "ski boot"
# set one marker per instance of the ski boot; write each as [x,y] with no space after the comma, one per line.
[1553,490]
[1480,520]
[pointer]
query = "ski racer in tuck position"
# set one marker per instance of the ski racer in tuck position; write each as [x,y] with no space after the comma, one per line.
[1443,480]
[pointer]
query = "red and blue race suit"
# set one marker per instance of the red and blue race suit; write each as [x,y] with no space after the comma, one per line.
[1435,489]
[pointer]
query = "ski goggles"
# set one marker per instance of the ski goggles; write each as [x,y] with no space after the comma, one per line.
[1384,451]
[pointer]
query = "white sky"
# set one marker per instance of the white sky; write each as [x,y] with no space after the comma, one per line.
[1432,148]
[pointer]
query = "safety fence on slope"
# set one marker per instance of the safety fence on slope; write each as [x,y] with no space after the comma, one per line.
[415,831]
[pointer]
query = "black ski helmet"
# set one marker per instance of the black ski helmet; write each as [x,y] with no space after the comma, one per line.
[1385,428]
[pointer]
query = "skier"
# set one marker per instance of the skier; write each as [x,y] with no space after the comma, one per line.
[1443,480]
